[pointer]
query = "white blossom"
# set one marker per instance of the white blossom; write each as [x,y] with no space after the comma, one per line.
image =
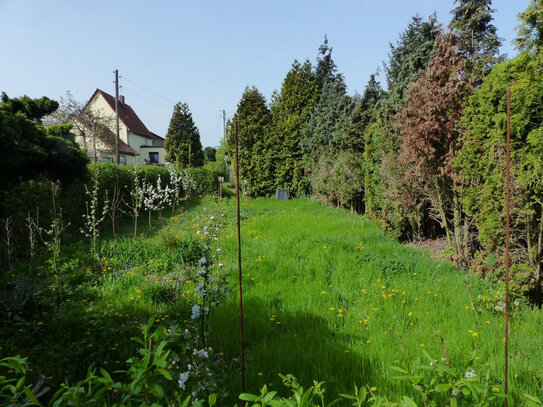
[195,312]
[201,353]
[183,377]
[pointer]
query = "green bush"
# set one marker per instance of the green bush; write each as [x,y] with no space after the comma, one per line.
[207,180]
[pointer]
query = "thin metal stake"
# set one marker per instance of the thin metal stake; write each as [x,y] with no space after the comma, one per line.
[241,338]
[507,210]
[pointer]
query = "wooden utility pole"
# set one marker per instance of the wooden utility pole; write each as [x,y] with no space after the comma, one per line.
[221,180]
[223,125]
[117,154]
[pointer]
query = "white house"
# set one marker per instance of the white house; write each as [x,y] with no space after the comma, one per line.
[137,145]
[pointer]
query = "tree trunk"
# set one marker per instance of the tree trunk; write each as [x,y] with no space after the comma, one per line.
[135,225]
[367,184]
[443,214]
[457,226]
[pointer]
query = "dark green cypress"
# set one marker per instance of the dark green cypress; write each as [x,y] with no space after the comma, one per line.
[183,146]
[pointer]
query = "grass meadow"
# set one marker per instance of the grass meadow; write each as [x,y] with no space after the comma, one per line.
[328,296]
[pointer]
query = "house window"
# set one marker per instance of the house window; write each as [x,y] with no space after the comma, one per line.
[153,158]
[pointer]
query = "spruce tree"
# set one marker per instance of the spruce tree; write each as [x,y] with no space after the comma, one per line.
[410,56]
[324,128]
[478,42]
[325,70]
[373,93]
[183,146]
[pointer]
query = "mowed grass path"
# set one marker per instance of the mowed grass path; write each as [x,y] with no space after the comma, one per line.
[328,296]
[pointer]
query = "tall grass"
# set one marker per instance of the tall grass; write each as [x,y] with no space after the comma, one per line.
[329,296]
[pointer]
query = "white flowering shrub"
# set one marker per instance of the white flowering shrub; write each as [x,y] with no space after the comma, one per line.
[93,217]
[201,370]
[188,183]
[176,182]
[212,285]
[157,197]
[137,197]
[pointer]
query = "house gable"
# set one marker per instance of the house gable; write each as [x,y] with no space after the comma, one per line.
[135,137]
[127,116]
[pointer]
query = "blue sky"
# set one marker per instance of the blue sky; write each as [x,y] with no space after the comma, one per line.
[201,52]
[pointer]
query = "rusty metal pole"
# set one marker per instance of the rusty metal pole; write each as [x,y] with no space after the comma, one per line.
[241,338]
[507,260]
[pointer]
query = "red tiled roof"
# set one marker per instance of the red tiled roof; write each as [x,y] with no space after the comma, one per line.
[128,117]
[108,138]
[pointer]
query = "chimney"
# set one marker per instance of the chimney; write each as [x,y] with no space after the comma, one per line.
[121,99]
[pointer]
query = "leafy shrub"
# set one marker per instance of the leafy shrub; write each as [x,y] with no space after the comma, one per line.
[14,391]
[153,378]
[207,180]
[439,384]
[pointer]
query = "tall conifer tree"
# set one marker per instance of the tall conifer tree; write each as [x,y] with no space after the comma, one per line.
[410,56]
[478,42]
[183,146]
[291,112]
[253,119]
[326,69]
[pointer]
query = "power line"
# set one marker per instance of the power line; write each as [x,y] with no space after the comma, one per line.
[161,98]
[150,91]
[157,99]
